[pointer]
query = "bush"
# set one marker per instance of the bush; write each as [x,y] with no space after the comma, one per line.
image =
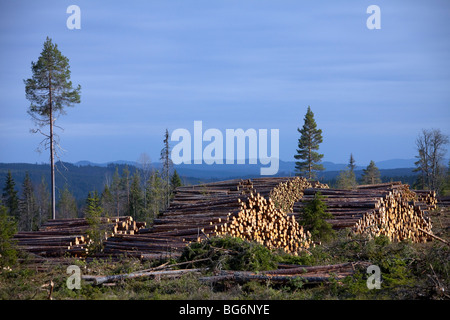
[229,253]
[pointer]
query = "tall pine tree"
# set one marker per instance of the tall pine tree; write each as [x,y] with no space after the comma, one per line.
[50,90]
[308,144]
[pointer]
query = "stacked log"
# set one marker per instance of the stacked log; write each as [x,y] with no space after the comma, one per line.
[192,214]
[62,237]
[443,201]
[215,209]
[389,209]
[261,221]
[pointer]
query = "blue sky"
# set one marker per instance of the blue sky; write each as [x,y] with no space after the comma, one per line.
[145,66]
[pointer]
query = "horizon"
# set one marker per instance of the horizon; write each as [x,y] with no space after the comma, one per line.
[387,163]
[151,65]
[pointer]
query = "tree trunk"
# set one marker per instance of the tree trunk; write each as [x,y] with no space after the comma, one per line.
[52,150]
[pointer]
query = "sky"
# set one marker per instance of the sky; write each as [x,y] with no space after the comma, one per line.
[148,66]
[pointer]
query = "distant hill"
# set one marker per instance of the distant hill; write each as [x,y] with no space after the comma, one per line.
[85,176]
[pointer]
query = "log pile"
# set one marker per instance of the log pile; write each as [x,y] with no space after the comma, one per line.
[389,209]
[261,221]
[218,208]
[70,237]
[192,214]
[443,201]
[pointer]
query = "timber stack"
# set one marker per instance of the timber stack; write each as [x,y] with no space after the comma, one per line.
[443,201]
[192,214]
[62,237]
[234,207]
[263,218]
[389,209]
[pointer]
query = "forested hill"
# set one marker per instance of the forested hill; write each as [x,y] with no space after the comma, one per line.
[81,179]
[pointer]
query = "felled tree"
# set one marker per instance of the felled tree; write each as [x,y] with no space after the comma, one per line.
[308,144]
[50,90]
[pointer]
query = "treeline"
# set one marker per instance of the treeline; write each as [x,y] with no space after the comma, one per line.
[142,194]
[432,174]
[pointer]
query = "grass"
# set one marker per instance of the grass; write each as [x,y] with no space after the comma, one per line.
[408,271]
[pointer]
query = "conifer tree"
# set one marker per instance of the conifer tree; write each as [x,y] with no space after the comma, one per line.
[50,90]
[371,175]
[308,144]
[8,228]
[93,212]
[351,164]
[347,178]
[10,197]
[166,167]
[313,219]
[175,181]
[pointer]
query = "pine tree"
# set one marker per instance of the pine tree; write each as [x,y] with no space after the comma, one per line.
[10,197]
[28,206]
[50,90]
[371,175]
[308,144]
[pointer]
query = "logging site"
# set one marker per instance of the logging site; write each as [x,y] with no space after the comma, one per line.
[250,234]
[217,158]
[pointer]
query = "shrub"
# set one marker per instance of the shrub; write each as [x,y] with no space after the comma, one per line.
[230,254]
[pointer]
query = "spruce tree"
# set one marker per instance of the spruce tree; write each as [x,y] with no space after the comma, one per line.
[371,175]
[313,219]
[166,167]
[50,90]
[93,212]
[175,181]
[10,197]
[308,144]
[351,164]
